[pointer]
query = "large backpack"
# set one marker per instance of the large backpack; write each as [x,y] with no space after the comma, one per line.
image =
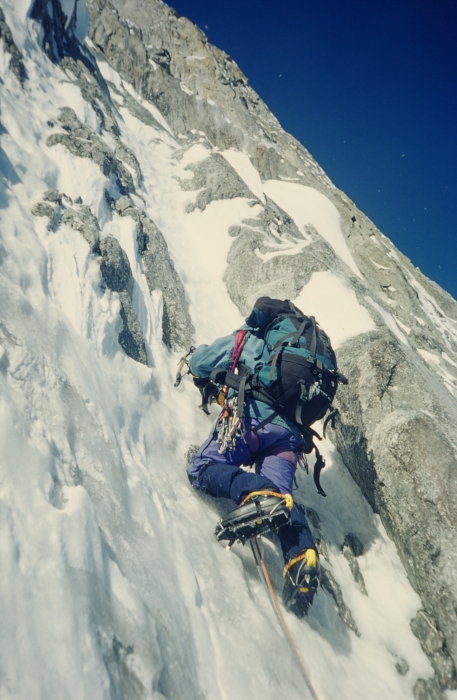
[296,373]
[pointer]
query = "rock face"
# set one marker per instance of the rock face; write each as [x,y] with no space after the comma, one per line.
[115,267]
[83,142]
[86,223]
[177,328]
[16,60]
[397,436]
[398,415]
[123,175]
[215,179]
[117,274]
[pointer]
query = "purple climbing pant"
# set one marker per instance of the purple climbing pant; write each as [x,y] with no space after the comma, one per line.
[274,449]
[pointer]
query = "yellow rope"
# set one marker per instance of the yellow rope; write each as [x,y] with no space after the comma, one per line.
[311,556]
[287,497]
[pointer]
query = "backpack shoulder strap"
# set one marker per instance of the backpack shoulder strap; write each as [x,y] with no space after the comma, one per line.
[313,346]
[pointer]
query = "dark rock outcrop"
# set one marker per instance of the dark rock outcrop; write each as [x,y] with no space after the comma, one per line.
[43,209]
[215,179]
[160,273]
[58,39]
[83,142]
[117,275]
[82,220]
[16,59]
[177,327]
[434,645]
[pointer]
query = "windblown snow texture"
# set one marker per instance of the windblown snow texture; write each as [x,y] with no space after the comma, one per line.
[147,198]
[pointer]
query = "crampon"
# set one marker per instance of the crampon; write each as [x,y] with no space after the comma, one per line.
[260,512]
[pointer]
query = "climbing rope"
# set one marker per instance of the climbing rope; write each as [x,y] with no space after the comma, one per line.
[265,578]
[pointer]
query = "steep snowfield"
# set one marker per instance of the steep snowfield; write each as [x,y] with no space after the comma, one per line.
[111,582]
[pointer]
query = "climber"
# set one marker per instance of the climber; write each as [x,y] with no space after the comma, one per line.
[266,428]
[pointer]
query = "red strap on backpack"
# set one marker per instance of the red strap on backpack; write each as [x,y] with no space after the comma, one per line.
[238,346]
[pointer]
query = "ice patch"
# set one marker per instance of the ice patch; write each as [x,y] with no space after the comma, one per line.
[110,74]
[373,239]
[448,359]
[449,381]
[380,267]
[147,105]
[389,320]
[185,89]
[333,302]
[432,309]
[308,206]
[194,154]
[403,326]
[282,250]
[241,163]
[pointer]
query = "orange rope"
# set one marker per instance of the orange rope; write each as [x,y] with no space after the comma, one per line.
[287,497]
[274,600]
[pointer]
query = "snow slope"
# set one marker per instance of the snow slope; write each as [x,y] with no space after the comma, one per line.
[111,582]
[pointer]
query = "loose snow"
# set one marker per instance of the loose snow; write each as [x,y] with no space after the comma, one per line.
[243,166]
[331,300]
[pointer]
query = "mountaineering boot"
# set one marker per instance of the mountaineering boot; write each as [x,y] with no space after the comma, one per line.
[260,512]
[302,579]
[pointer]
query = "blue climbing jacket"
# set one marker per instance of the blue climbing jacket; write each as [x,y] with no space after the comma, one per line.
[207,357]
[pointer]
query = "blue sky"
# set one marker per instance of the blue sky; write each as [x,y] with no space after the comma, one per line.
[370,88]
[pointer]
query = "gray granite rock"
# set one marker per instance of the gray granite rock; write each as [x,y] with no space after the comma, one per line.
[434,645]
[85,74]
[428,690]
[82,220]
[117,274]
[215,179]
[16,59]
[82,141]
[396,434]
[177,327]
[43,209]
[53,196]
[256,263]
[196,86]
